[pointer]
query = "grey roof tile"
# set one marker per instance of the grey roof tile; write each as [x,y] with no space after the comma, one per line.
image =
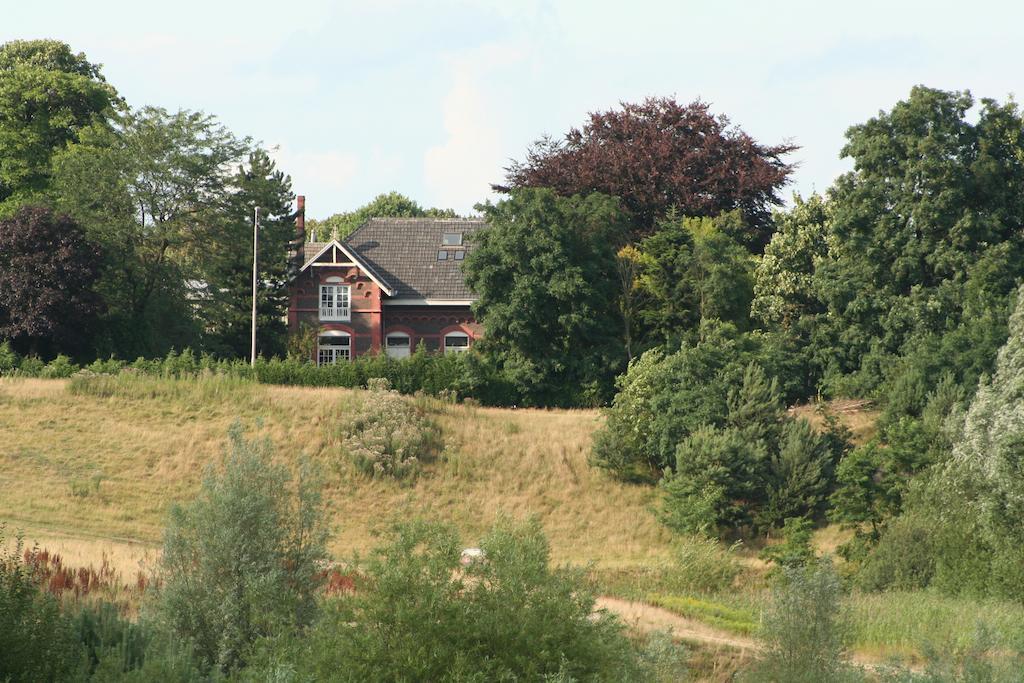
[404,252]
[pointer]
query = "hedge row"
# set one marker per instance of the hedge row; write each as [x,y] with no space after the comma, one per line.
[450,375]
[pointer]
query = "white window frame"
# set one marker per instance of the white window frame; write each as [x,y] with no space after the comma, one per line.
[332,346]
[403,350]
[456,349]
[335,301]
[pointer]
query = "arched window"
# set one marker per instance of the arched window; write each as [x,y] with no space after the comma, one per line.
[333,346]
[397,344]
[456,342]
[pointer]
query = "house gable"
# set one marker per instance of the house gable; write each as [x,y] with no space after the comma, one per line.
[336,255]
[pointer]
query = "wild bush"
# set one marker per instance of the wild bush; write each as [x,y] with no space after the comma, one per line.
[60,367]
[420,615]
[387,436]
[9,359]
[700,565]
[37,641]
[795,549]
[756,469]
[803,629]
[240,562]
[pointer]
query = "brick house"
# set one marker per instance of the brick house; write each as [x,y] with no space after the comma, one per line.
[392,285]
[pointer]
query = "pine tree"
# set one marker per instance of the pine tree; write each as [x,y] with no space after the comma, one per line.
[228,310]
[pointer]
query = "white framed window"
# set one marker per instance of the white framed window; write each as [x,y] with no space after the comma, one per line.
[335,302]
[397,345]
[333,347]
[456,342]
[451,239]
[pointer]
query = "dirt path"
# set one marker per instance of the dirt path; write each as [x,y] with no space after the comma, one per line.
[644,617]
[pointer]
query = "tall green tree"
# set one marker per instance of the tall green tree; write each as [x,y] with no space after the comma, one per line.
[934,201]
[391,204]
[978,549]
[47,273]
[48,94]
[228,269]
[154,191]
[545,272]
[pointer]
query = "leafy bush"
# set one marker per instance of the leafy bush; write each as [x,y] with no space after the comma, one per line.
[700,565]
[903,560]
[9,359]
[506,615]
[795,549]
[803,629]
[663,398]
[756,469]
[241,561]
[60,367]
[37,642]
[31,366]
[387,436]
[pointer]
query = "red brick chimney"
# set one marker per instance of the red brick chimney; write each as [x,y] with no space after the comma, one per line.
[300,218]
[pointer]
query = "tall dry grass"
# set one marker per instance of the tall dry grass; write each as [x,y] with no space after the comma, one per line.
[149,440]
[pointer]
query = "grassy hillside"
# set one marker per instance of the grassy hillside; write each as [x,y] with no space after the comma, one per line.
[84,474]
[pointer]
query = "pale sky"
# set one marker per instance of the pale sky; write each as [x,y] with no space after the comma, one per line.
[433,99]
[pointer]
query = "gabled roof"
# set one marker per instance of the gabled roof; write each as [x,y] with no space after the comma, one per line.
[312,251]
[403,253]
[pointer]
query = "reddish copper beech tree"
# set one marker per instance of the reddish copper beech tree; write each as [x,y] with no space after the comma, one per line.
[660,155]
[47,272]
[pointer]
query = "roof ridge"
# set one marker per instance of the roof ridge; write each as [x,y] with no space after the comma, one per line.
[407,219]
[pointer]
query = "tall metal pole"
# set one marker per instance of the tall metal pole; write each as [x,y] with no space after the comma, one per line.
[255,270]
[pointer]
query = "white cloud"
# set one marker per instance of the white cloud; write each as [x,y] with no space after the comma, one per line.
[459,171]
[317,174]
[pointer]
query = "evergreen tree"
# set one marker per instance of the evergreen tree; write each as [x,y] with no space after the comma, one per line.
[228,312]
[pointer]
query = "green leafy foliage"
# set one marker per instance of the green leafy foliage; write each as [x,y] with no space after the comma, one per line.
[795,549]
[977,551]
[690,270]
[152,192]
[240,562]
[390,205]
[48,94]
[804,629]
[37,641]
[226,308]
[505,615]
[545,272]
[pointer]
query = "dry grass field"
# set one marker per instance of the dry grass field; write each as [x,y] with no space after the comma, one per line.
[84,475]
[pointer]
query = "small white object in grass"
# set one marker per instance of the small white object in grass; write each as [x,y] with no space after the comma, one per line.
[470,555]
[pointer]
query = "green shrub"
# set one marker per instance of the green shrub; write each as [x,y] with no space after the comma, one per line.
[387,436]
[795,549]
[701,565]
[9,359]
[241,561]
[31,366]
[804,630]
[60,367]
[506,615]
[37,642]
[719,472]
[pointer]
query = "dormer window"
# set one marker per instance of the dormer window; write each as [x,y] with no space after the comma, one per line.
[451,239]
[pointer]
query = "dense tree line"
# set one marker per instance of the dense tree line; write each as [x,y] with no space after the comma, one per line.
[156,208]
